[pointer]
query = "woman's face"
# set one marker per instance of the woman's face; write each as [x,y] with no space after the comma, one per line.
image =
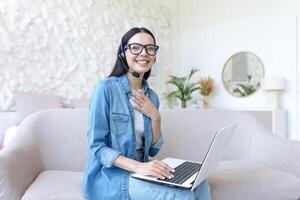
[142,62]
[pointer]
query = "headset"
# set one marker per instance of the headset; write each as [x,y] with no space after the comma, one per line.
[123,61]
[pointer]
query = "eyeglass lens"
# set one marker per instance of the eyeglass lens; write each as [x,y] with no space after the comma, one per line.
[136,48]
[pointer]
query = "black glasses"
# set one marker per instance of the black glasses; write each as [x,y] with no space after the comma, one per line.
[136,48]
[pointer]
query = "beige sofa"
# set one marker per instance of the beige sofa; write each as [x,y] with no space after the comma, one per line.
[22,104]
[48,158]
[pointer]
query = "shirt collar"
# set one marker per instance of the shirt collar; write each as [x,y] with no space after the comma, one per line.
[126,86]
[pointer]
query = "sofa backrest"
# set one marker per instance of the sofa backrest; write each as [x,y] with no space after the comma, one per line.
[61,134]
[188,133]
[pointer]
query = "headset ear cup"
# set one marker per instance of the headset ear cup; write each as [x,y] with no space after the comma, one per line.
[121,56]
[122,51]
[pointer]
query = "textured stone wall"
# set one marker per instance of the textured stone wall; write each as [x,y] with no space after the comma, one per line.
[66,47]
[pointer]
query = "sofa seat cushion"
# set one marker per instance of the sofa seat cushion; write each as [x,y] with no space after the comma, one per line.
[249,180]
[55,184]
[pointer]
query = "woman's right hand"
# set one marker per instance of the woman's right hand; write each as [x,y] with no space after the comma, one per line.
[155,168]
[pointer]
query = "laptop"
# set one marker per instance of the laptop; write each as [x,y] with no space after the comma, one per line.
[189,174]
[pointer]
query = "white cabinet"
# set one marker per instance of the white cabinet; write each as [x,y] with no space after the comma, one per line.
[275,119]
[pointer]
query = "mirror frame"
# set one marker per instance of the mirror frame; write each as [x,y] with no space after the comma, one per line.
[263,72]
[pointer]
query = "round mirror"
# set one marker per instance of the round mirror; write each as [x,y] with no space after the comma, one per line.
[242,74]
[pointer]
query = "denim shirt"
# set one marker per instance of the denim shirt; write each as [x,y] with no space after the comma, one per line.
[110,134]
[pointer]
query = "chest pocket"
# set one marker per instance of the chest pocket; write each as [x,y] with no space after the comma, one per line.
[119,123]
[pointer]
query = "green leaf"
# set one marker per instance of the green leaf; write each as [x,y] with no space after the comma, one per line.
[177,83]
[193,71]
[249,76]
[194,89]
[237,90]
[245,89]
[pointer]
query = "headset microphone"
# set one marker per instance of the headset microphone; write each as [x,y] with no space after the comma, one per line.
[135,74]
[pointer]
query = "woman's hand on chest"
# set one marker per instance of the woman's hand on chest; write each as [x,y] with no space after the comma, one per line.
[145,105]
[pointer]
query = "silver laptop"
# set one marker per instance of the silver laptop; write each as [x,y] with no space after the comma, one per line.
[189,174]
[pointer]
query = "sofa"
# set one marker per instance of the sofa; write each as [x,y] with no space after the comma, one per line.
[22,104]
[47,160]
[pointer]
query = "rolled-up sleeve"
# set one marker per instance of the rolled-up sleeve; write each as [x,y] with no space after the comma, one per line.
[98,130]
[154,149]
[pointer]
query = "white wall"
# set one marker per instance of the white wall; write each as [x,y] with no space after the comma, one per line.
[212,31]
[66,47]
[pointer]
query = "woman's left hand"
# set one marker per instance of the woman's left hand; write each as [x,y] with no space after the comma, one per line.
[144,105]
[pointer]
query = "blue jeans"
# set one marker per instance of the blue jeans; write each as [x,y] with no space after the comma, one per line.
[139,189]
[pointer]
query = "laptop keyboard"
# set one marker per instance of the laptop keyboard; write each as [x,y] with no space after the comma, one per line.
[183,172]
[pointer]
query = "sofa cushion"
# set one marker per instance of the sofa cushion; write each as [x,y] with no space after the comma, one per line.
[55,184]
[249,180]
[80,103]
[27,102]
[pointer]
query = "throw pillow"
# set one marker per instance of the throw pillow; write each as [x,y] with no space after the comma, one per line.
[29,102]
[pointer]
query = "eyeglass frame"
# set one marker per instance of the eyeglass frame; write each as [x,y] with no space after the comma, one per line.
[127,46]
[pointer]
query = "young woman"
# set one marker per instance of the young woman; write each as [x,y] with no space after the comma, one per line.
[124,130]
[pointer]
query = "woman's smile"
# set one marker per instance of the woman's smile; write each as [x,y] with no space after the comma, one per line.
[142,62]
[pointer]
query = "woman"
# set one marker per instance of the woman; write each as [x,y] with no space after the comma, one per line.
[124,130]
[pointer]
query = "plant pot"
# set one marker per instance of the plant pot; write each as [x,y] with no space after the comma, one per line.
[205,101]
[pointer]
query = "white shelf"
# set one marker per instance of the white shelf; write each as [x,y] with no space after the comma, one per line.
[275,119]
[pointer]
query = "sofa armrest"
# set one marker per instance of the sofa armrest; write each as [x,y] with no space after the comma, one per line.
[19,166]
[7,119]
[275,151]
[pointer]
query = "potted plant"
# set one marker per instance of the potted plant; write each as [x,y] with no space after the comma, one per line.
[184,88]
